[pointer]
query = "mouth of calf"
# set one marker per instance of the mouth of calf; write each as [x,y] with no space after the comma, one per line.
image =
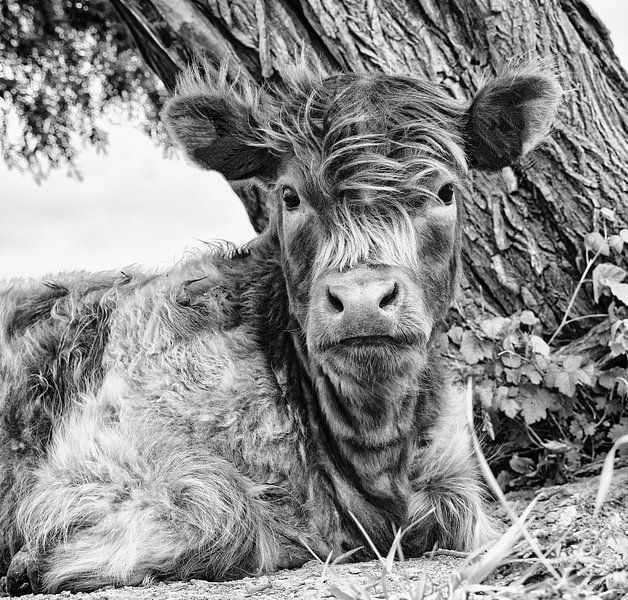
[361,341]
[372,358]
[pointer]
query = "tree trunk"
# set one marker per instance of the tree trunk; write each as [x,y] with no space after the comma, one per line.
[523,237]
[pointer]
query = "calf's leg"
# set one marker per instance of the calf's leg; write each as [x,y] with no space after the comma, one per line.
[117,502]
[448,499]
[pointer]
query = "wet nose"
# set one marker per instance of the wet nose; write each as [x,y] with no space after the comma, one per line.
[364,299]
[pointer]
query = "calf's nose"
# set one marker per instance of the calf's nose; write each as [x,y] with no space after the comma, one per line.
[362,299]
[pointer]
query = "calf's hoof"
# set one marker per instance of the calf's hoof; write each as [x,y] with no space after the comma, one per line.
[22,576]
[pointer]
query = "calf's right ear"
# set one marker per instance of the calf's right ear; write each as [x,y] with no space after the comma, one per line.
[216,130]
[509,116]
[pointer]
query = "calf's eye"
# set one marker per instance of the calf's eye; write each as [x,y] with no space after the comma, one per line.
[290,198]
[446,194]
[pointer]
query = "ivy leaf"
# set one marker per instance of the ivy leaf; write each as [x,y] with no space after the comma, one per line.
[595,241]
[555,447]
[455,334]
[586,375]
[618,342]
[616,243]
[493,327]
[511,341]
[608,214]
[538,345]
[551,375]
[535,406]
[485,395]
[619,290]
[603,275]
[609,378]
[509,406]
[513,375]
[511,360]
[565,384]
[542,363]
[470,348]
[503,479]
[531,373]
[618,430]
[528,318]
[521,464]
[572,362]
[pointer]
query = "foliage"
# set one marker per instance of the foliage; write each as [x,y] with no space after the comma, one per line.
[552,406]
[62,63]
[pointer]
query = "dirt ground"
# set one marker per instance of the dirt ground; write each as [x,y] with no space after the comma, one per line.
[589,555]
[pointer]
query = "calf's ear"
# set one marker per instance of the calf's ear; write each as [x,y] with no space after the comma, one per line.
[215,127]
[509,116]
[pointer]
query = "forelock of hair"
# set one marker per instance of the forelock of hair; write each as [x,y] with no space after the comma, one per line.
[365,133]
[360,233]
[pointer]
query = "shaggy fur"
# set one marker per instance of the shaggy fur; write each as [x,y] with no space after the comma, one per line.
[216,419]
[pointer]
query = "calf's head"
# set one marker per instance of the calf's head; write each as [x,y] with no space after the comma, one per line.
[367,175]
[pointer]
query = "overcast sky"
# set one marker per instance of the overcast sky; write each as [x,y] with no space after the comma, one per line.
[135,206]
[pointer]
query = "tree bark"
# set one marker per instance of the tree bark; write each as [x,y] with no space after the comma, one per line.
[524,228]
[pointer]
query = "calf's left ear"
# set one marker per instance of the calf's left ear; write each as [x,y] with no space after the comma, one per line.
[215,127]
[509,116]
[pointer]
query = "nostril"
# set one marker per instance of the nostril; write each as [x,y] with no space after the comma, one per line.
[389,298]
[334,301]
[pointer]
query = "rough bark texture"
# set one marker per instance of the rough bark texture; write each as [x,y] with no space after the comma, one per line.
[525,226]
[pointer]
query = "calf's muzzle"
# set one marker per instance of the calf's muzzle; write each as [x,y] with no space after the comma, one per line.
[360,305]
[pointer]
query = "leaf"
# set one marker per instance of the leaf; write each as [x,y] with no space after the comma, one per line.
[509,406]
[532,374]
[538,345]
[619,290]
[493,327]
[513,375]
[623,234]
[607,214]
[503,479]
[609,378]
[619,429]
[555,447]
[471,349]
[521,464]
[616,243]
[596,242]
[485,395]
[528,318]
[535,406]
[455,334]
[565,384]
[511,360]
[602,275]
[551,375]
[585,376]
[511,341]
[572,362]
[542,363]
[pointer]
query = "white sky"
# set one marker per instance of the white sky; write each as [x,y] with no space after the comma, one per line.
[135,206]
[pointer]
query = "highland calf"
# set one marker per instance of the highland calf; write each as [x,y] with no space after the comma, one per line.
[215,419]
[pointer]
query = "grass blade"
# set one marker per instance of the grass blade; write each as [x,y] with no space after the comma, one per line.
[607,474]
[367,537]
